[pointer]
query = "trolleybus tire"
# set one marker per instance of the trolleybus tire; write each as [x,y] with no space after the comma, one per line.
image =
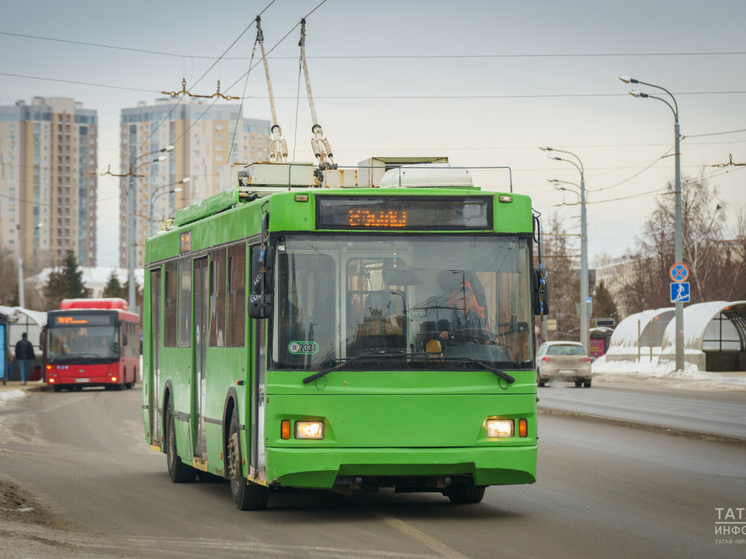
[58,389]
[587,384]
[465,493]
[177,470]
[578,383]
[246,494]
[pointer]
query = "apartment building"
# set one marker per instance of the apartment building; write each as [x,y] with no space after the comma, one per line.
[47,181]
[201,135]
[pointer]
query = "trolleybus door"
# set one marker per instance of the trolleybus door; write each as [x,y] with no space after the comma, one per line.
[200,353]
[155,344]
[258,355]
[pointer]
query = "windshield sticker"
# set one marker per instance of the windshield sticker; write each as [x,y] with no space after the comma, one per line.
[303,348]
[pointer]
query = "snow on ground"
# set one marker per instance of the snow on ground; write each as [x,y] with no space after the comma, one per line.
[651,372]
[10,395]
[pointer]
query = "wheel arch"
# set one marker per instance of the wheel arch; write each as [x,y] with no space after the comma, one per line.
[231,403]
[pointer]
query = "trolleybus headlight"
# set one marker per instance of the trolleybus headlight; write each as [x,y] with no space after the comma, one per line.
[499,428]
[309,429]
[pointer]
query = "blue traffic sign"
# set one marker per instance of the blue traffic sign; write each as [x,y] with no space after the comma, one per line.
[680,292]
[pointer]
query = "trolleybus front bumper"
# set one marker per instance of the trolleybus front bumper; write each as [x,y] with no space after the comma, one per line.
[320,467]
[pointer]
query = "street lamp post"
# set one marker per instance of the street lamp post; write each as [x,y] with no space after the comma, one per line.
[583,246]
[678,250]
[155,196]
[21,290]
[131,222]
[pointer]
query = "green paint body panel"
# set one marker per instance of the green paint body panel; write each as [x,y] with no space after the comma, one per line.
[377,423]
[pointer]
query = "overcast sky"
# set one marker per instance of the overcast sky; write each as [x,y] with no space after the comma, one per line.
[478,81]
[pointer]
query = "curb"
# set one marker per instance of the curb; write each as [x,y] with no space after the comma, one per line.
[652,428]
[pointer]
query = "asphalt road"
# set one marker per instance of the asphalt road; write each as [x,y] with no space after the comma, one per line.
[721,413]
[602,491]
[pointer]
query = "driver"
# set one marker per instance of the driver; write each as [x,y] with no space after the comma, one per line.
[470,322]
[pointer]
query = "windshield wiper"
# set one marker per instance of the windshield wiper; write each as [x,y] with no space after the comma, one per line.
[498,372]
[383,354]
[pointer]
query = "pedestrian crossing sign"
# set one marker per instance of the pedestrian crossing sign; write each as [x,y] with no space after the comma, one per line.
[680,292]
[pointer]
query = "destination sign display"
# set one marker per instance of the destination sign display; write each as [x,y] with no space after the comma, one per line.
[83,320]
[404,212]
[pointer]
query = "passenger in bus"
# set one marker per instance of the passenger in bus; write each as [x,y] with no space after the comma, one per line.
[469,322]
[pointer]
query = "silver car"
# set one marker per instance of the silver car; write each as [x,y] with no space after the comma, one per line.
[563,360]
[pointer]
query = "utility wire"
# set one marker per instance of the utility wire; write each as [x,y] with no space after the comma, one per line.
[377,97]
[435,56]
[77,82]
[633,176]
[712,134]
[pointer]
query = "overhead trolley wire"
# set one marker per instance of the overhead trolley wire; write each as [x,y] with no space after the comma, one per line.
[152,132]
[413,56]
[245,74]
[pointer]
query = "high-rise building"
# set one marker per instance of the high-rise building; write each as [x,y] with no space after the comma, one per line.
[201,135]
[47,181]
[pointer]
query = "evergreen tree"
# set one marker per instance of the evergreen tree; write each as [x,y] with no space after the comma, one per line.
[604,305]
[113,288]
[65,283]
[138,293]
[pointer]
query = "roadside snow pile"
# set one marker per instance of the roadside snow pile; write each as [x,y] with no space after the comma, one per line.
[10,395]
[652,372]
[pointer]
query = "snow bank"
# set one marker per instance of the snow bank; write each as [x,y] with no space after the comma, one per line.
[10,395]
[663,373]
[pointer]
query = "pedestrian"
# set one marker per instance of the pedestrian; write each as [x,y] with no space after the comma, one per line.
[24,355]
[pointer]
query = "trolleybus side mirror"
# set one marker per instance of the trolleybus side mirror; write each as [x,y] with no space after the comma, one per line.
[262,267]
[540,292]
[260,306]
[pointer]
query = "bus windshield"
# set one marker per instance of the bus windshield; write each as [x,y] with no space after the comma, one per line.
[82,338]
[353,299]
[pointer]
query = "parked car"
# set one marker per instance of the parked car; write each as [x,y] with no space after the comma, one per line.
[563,360]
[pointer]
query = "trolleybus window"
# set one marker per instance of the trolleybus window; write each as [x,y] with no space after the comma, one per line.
[217,298]
[236,295]
[169,327]
[184,327]
[342,297]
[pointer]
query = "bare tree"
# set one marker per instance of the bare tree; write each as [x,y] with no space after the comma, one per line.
[712,261]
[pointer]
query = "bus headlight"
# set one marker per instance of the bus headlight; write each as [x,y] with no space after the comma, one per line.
[499,428]
[309,429]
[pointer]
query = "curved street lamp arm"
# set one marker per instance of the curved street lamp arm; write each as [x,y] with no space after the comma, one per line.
[675,112]
[582,170]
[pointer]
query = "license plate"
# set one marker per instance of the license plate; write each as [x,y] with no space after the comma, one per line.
[566,372]
[82,380]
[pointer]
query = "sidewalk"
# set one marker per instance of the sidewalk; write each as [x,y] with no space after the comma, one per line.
[30,386]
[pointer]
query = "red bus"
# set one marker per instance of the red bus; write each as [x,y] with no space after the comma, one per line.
[92,342]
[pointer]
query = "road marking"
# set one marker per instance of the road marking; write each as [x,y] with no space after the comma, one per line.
[692,499]
[414,533]
[65,403]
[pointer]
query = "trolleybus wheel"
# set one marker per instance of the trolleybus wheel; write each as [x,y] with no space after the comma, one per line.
[246,494]
[58,389]
[587,384]
[578,383]
[177,470]
[465,493]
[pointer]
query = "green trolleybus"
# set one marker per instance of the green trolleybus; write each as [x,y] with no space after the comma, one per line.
[298,336]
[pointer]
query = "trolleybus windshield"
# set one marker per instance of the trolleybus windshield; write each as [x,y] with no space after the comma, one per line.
[342,298]
[82,338]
